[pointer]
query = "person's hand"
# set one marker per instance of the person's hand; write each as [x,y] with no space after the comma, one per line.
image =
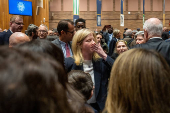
[98,49]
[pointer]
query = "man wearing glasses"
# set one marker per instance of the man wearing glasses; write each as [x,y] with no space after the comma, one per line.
[42,31]
[66,32]
[16,25]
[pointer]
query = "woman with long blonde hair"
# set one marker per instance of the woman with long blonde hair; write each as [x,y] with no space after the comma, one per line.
[90,57]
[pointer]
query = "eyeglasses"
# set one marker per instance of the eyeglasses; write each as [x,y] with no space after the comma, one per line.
[19,23]
[80,26]
[43,31]
[70,32]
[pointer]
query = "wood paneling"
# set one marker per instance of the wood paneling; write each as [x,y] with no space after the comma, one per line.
[35,19]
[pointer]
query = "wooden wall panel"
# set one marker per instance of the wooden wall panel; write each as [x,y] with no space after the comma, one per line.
[35,19]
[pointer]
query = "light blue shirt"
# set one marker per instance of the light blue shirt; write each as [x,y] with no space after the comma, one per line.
[63,46]
[110,38]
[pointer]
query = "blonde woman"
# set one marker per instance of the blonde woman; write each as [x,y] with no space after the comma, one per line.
[139,83]
[90,57]
[121,46]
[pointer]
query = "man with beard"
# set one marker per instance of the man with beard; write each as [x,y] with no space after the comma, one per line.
[16,25]
[32,31]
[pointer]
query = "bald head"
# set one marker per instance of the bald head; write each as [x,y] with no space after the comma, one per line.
[153,27]
[165,29]
[18,38]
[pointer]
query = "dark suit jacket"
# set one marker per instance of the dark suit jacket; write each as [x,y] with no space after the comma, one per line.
[159,45]
[4,37]
[101,75]
[112,46]
[106,37]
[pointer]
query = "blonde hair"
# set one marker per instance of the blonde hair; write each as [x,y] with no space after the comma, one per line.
[115,32]
[77,41]
[12,19]
[139,83]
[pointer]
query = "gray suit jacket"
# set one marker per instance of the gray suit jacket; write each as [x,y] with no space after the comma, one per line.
[57,43]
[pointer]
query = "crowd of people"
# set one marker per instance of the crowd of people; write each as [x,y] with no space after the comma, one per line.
[72,69]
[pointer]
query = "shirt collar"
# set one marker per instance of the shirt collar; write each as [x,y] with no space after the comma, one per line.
[155,37]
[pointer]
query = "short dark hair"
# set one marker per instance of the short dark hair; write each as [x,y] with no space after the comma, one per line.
[45,47]
[31,28]
[82,82]
[63,25]
[80,20]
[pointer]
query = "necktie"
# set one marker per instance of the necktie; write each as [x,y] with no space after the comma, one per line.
[67,50]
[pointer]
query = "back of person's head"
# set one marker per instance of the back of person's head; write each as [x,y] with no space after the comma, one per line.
[44,46]
[82,82]
[29,83]
[128,33]
[165,35]
[116,32]
[18,38]
[63,25]
[139,83]
[31,29]
[153,26]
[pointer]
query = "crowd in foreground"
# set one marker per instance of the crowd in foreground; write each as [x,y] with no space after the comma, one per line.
[72,69]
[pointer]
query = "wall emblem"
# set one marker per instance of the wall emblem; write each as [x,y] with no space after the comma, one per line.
[21,6]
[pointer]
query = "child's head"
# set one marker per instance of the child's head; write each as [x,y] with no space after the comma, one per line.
[82,82]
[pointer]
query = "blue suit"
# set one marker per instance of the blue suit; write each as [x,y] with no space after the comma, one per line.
[101,75]
[4,37]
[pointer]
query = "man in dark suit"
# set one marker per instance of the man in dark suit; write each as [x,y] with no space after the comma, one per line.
[152,32]
[66,31]
[16,25]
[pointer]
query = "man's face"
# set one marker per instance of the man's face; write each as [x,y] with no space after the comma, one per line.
[70,32]
[42,32]
[110,30]
[17,25]
[80,25]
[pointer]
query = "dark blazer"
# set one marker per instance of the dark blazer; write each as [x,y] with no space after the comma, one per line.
[112,46]
[159,45]
[101,75]
[4,37]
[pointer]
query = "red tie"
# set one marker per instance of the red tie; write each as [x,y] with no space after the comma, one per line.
[67,51]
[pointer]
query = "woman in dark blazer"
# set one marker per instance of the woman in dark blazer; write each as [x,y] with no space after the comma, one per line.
[90,57]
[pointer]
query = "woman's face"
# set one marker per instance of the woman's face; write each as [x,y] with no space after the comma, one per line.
[121,47]
[87,44]
[140,40]
[98,37]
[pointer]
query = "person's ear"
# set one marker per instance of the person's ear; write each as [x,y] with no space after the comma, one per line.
[62,32]
[10,23]
[92,92]
[32,34]
[146,34]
